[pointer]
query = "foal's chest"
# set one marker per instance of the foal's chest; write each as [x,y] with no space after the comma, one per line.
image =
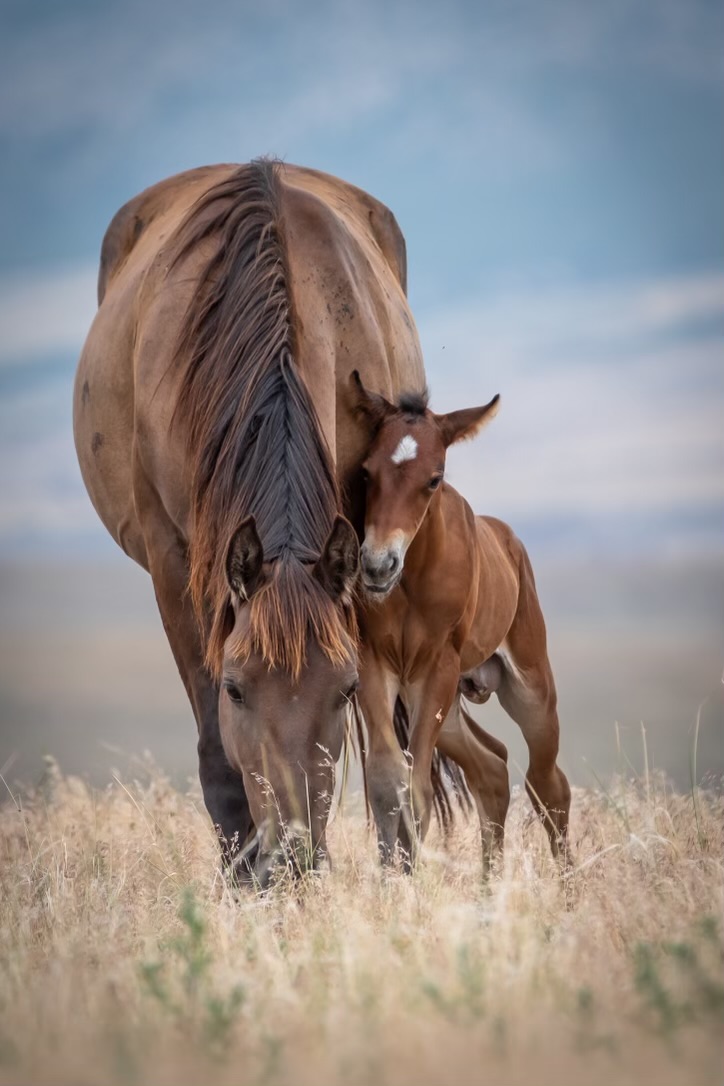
[411,639]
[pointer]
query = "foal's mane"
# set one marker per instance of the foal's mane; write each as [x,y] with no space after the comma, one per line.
[255,443]
[413,403]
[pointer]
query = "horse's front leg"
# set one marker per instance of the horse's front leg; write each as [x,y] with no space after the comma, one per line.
[430,701]
[223,788]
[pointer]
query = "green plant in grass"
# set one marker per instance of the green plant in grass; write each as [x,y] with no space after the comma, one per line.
[197,1006]
[680,981]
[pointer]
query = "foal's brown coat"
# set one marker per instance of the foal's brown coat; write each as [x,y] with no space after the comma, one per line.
[214,437]
[447,593]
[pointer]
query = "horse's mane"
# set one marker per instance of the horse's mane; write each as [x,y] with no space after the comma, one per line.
[255,443]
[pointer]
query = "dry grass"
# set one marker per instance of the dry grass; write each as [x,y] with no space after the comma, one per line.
[125,959]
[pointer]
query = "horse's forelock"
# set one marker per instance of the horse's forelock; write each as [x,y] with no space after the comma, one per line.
[288,610]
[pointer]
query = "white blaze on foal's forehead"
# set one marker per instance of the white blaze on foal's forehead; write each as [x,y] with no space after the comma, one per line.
[406,450]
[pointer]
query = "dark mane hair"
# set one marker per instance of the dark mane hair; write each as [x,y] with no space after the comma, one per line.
[256,446]
[413,403]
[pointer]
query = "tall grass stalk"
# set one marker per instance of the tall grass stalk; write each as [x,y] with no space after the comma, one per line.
[126,959]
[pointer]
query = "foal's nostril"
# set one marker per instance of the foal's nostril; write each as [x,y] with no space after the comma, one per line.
[380,567]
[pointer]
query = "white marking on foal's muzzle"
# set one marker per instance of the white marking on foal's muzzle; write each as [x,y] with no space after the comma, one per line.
[374,554]
[396,543]
[406,450]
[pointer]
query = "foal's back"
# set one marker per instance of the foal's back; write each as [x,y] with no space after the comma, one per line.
[498,553]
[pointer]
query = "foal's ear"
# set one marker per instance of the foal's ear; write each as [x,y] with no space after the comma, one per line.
[372,404]
[337,569]
[460,425]
[244,560]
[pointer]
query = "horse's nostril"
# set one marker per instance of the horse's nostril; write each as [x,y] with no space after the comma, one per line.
[392,563]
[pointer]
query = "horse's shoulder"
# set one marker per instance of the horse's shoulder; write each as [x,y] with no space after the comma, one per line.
[134,218]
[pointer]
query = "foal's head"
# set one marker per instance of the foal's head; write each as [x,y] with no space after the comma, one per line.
[404,471]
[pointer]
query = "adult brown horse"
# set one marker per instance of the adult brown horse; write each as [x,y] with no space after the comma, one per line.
[215,438]
[448,593]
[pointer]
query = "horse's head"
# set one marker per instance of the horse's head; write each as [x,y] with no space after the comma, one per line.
[289,673]
[404,470]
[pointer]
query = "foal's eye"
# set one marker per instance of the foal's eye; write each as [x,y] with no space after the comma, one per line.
[434,482]
[365,475]
[235,693]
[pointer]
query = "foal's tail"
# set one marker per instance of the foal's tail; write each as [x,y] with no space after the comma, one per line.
[448,782]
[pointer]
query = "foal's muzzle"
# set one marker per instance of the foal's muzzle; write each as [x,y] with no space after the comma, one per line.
[381,569]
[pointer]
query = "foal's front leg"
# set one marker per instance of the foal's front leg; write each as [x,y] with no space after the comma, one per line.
[388,772]
[430,702]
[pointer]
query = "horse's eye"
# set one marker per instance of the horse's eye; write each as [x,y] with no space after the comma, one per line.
[435,482]
[235,693]
[350,692]
[365,475]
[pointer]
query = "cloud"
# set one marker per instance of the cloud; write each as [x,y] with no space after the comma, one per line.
[611,402]
[112,68]
[47,312]
[42,497]
[569,324]
[611,398]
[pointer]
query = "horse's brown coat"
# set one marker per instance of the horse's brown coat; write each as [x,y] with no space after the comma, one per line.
[344,272]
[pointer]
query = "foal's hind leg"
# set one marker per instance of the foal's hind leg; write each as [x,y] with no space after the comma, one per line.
[531,702]
[527,692]
[483,761]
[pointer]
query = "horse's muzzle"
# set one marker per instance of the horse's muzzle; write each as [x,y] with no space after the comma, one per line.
[293,857]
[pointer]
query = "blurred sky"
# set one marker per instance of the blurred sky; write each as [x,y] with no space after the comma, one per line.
[557,169]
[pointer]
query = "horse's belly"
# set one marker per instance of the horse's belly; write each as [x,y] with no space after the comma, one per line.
[103,424]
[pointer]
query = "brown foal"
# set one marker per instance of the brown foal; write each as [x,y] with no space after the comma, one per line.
[447,594]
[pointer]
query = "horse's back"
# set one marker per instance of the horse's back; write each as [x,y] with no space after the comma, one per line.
[351,203]
[138,214]
[348,275]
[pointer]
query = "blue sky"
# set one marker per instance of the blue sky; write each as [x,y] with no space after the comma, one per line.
[557,168]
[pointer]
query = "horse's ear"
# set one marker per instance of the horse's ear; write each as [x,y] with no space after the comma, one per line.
[460,425]
[337,569]
[244,560]
[371,404]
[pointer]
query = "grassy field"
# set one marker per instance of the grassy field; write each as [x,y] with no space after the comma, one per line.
[125,959]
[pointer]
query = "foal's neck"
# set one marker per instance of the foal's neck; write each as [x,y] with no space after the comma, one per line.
[428,546]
